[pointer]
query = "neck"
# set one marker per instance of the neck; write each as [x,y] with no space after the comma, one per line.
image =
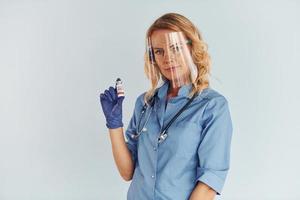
[173,92]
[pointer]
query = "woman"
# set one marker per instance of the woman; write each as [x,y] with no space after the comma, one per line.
[172,153]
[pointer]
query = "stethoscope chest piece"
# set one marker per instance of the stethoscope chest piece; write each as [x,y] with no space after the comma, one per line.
[162,137]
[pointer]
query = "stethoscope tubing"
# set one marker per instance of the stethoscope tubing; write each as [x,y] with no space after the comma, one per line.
[163,135]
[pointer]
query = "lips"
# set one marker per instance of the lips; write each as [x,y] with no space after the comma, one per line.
[171,68]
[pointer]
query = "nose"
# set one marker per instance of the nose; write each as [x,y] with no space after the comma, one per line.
[168,57]
[167,61]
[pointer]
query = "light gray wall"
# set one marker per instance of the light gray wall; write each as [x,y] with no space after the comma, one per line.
[57,56]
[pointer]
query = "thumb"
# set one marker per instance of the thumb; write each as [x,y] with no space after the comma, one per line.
[120,100]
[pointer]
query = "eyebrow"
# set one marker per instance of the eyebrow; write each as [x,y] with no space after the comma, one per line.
[172,45]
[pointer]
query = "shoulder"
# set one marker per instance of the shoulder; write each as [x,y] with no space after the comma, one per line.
[140,97]
[139,102]
[214,100]
[210,94]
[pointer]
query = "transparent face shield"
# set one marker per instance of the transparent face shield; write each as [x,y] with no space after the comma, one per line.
[169,57]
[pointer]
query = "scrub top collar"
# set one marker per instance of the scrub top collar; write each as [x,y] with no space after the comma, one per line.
[183,91]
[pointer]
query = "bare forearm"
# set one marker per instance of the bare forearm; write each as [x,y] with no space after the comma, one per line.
[202,192]
[122,155]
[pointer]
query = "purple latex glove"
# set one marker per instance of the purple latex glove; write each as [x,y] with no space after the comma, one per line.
[112,108]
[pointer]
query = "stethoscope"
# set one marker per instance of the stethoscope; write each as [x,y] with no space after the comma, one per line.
[164,133]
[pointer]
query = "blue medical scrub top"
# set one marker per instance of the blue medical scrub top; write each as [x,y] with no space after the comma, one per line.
[197,147]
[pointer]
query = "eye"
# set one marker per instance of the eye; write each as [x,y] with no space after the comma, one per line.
[158,52]
[176,47]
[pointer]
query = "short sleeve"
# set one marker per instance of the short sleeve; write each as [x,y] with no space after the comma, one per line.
[214,149]
[131,129]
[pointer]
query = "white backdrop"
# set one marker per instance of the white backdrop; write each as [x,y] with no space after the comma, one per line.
[57,56]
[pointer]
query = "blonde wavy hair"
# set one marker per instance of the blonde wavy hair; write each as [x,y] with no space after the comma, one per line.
[200,56]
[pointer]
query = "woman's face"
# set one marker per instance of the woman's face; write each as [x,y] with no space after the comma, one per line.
[171,54]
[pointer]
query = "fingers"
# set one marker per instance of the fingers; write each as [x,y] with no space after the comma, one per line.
[103,96]
[109,96]
[120,100]
[113,93]
[103,100]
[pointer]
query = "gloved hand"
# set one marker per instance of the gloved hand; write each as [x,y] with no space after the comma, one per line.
[112,108]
